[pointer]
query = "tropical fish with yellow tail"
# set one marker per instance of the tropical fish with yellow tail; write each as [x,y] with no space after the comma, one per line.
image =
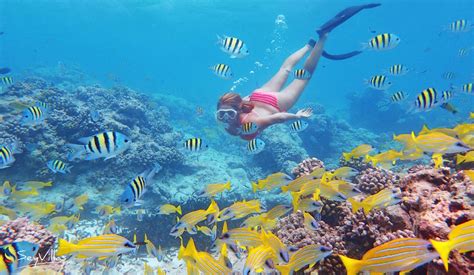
[280,250]
[470,174]
[102,246]
[308,255]
[382,199]
[240,210]
[10,213]
[152,250]
[447,131]
[167,209]
[437,160]
[189,220]
[36,210]
[107,210]
[471,115]
[243,236]
[436,142]
[213,189]
[469,157]
[208,231]
[358,152]
[390,156]
[37,184]
[341,173]
[22,194]
[256,259]
[460,238]
[204,261]
[272,181]
[399,255]
[309,222]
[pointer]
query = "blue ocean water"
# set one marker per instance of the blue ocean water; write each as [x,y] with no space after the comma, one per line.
[164,49]
[167,46]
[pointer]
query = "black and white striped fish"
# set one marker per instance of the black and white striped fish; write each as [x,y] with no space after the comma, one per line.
[222,71]
[248,128]
[447,95]
[58,166]
[137,187]
[379,82]
[384,41]
[398,70]
[194,145]
[298,125]
[426,100]
[461,25]
[233,46]
[302,74]
[7,80]
[103,145]
[255,146]
[448,75]
[6,155]
[398,97]
[34,115]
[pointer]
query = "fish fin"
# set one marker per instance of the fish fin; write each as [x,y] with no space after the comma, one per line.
[84,140]
[219,39]
[284,189]
[284,269]
[65,247]
[352,265]
[178,210]
[347,156]
[227,185]
[460,159]
[295,201]
[443,248]
[110,157]
[233,56]
[77,151]
[254,186]
[356,205]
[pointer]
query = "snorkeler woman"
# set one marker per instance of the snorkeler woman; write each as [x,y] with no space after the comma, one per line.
[268,105]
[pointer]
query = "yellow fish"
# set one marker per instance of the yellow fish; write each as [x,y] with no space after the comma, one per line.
[6,188]
[239,210]
[275,180]
[281,252]
[460,238]
[57,229]
[436,142]
[107,210]
[189,220]
[148,270]
[208,231]
[79,202]
[390,156]
[255,262]
[204,261]
[160,271]
[100,246]
[22,194]
[402,255]
[167,209]
[470,174]
[437,160]
[110,227]
[446,131]
[38,184]
[469,157]
[412,154]
[296,184]
[464,129]
[10,213]
[278,211]
[267,220]
[471,115]
[243,236]
[359,151]
[344,187]
[213,189]
[383,198]
[309,222]
[152,251]
[36,210]
[308,255]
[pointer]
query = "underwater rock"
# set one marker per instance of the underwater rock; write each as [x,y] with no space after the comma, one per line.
[122,110]
[436,200]
[374,179]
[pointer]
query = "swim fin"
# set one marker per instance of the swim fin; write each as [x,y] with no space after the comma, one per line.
[340,56]
[342,17]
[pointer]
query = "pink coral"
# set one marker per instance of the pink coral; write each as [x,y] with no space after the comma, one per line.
[307,166]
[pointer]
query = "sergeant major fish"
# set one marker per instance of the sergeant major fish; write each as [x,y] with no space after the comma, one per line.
[105,145]
[137,187]
[233,46]
[58,166]
[6,154]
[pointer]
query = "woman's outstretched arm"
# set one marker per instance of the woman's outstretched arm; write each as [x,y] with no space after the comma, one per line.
[283,117]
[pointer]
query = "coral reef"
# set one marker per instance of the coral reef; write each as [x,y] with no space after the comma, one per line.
[434,200]
[121,109]
[374,179]
[307,166]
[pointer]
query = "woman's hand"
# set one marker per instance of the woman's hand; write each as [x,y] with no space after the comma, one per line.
[304,113]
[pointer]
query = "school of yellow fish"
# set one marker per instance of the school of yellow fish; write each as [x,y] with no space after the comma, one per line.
[254,238]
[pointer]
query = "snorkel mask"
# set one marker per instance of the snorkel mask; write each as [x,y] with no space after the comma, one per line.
[226,115]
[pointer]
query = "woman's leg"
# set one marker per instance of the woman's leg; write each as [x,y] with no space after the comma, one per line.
[288,97]
[279,79]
